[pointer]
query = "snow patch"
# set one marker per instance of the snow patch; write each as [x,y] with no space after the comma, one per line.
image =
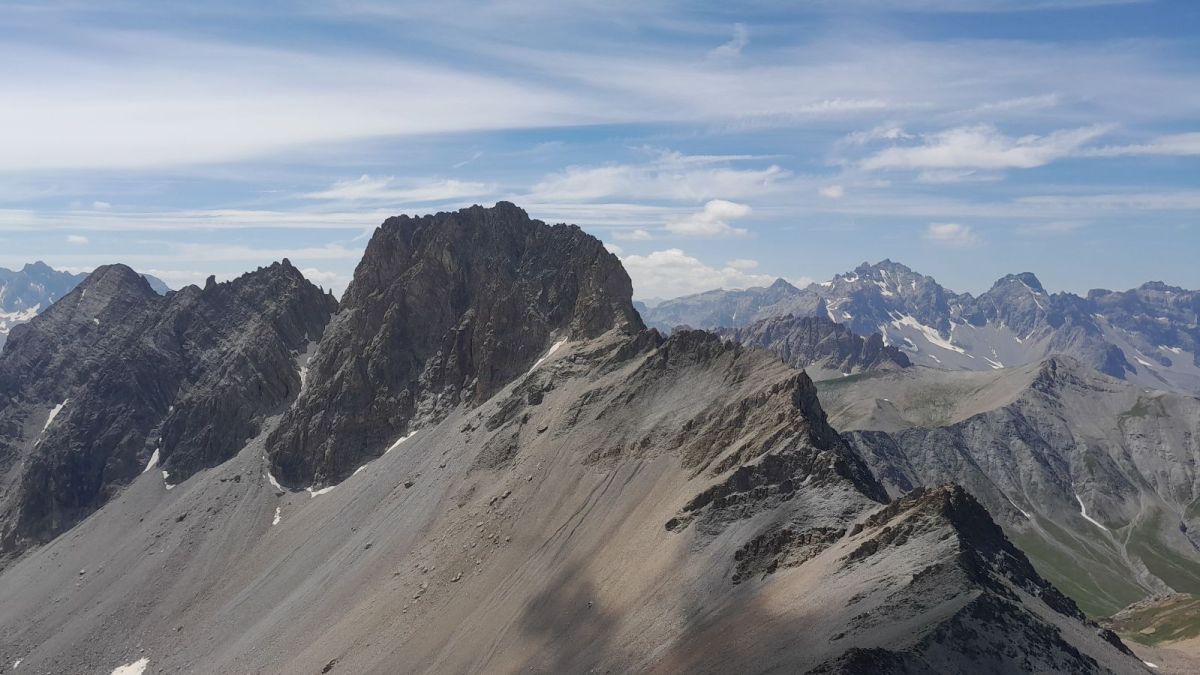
[54,413]
[553,348]
[167,480]
[1173,350]
[996,365]
[930,334]
[1143,362]
[1083,512]
[322,491]
[275,521]
[1014,505]
[153,461]
[16,664]
[826,284]
[1150,665]
[274,483]
[136,668]
[400,440]
[934,358]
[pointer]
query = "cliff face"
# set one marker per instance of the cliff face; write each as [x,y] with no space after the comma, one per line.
[444,310]
[114,379]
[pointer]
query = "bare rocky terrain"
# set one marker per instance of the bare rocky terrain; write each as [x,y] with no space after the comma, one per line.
[1092,476]
[555,491]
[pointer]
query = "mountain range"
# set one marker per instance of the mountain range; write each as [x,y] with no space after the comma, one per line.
[1149,335]
[480,460]
[26,292]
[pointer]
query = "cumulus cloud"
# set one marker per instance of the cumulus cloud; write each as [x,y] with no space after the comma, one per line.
[387,188]
[951,234]
[77,239]
[733,48]
[712,221]
[326,279]
[984,147]
[671,273]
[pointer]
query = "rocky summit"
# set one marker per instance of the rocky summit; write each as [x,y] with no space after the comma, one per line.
[819,345]
[443,310]
[480,461]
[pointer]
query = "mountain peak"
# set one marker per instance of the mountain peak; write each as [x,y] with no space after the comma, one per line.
[445,309]
[782,284]
[1027,279]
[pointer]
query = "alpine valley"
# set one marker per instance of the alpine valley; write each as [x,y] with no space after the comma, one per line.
[480,459]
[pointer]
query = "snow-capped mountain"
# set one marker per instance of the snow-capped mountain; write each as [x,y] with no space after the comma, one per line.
[1147,335]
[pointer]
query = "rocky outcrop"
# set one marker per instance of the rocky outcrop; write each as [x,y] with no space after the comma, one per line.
[443,310]
[115,379]
[820,344]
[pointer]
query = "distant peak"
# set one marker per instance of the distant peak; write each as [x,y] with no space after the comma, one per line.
[37,266]
[1028,279]
[782,284]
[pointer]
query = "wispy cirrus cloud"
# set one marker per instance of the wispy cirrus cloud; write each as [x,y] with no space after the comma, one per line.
[984,147]
[667,176]
[388,189]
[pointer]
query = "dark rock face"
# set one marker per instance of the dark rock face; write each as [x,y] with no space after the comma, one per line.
[443,310]
[816,341]
[26,292]
[129,374]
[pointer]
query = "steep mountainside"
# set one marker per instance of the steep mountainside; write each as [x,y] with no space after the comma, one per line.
[1147,335]
[26,292]
[115,379]
[819,345]
[1094,477]
[597,499]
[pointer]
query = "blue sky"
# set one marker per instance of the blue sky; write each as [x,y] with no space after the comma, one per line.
[708,144]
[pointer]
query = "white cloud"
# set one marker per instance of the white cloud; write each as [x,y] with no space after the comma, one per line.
[984,147]
[1177,145]
[733,48]
[1048,229]
[637,234]
[951,234]
[883,132]
[671,273]
[712,221]
[77,239]
[101,206]
[668,176]
[742,264]
[325,279]
[832,191]
[387,189]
